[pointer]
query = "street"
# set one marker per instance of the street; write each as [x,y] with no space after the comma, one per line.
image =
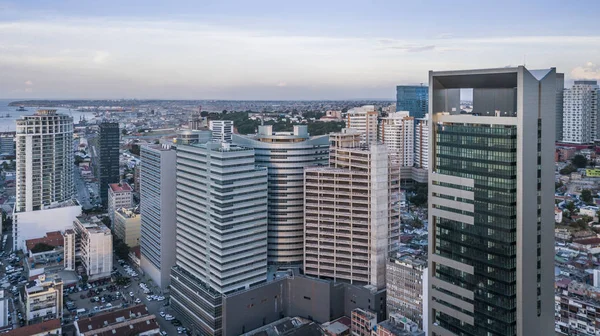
[83,194]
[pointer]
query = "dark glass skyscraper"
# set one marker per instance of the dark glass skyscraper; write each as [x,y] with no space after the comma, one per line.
[414,99]
[108,165]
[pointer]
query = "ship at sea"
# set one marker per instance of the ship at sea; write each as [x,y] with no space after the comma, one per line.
[21,109]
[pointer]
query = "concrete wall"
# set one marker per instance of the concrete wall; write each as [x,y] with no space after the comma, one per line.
[35,224]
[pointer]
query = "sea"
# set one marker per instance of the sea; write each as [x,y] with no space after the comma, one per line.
[8,124]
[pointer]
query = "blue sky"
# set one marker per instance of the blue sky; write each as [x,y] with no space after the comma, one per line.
[279,49]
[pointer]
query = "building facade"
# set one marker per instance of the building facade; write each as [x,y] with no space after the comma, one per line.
[69,238]
[560,88]
[412,98]
[405,291]
[157,208]
[108,163]
[397,132]
[580,113]
[363,322]
[43,299]
[577,308]
[44,158]
[120,195]
[422,143]
[221,130]
[127,226]
[7,144]
[365,120]
[491,202]
[350,222]
[285,155]
[95,247]
[221,230]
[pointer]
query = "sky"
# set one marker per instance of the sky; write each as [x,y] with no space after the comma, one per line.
[327,49]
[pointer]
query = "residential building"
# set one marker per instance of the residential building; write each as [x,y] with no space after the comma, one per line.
[285,155]
[350,221]
[363,322]
[221,230]
[47,328]
[127,226]
[397,132]
[221,130]
[136,178]
[412,98]
[398,325]
[365,120]
[95,247]
[491,196]
[5,323]
[120,195]
[422,143]
[44,157]
[135,320]
[69,239]
[405,292]
[560,88]
[332,115]
[157,208]
[108,165]
[577,306]
[580,113]
[7,144]
[43,299]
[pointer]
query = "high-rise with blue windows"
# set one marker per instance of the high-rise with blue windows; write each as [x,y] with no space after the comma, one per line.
[412,98]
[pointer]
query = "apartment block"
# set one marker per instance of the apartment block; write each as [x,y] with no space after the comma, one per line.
[95,247]
[491,201]
[221,241]
[405,280]
[397,132]
[363,322]
[398,325]
[285,155]
[577,308]
[69,239]
[580,113]
[120,195]
[350,221]
[365,120]
[7,144]
[221,130]
[127,226]
[422,143]
[43,299]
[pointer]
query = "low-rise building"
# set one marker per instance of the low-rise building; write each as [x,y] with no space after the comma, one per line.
[120,195]
[43,299]
[135,320]
[95,247]
[363,322]
[577,308]
[398,325]
[127,226]
[404,276]
[558,215]
[47,328]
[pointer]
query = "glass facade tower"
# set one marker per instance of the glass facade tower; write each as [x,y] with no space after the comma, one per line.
[108,168]
[413,99]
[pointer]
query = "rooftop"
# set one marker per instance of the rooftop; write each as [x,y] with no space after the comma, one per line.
[120,187]
[39,328]
[128,321]
[53,238]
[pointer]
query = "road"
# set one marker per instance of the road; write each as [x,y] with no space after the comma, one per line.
[83,194]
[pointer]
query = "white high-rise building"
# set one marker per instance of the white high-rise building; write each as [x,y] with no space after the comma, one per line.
[221,230]
[422,143]
[157,208]
[580,113]
[120,195]
[95,247]
[397,132]
[221,130]
[364,119]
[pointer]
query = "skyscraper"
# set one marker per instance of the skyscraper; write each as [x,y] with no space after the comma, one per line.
[108,165]
[491,201]
[221,230]
[396,131]
[286,154]
[580,113]
[412,98]
[350,220]
[157,208]
[364,119]
[560,88]
[422,143]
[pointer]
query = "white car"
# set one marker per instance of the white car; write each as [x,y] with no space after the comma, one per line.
[131,294]
[162,314]
[138,301]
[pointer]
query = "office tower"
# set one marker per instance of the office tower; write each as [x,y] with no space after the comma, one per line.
[350,221]
[397,132]
[404,290]
[44,160]
[187,137]
[491,201]
[7,144]
[127,226]
[412,98]
[95,247]
[364,119]
[580,113]
[108,165]
[157,208]
[120,195]
[422,143]
[221,230]
[221,130]
[560,88]
[285,155]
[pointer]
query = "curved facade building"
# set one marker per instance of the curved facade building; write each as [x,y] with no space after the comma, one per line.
[285,154]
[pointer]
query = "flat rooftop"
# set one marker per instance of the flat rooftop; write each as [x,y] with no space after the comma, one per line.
[120,187]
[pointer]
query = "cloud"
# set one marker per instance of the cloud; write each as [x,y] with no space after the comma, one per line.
[281,84]
[28,83]
[444,36]
[587,71]
[28,90]
[100,57]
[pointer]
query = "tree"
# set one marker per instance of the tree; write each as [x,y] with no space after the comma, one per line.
[568,170]
[124,131]
[579,161]
[586,196]
[417,223]
[78,160]
[420,197]
[42,247]
[570,206]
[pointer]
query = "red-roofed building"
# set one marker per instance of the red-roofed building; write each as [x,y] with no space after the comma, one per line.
[134,320]
[51,327]
[53,238]
[120,195]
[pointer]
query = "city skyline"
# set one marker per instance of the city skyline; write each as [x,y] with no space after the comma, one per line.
[268,50]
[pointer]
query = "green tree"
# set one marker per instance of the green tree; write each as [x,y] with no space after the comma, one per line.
[42,247]
[570,206]
[121,249]
[124,131]
[579,161]
[568,170]
[586,196]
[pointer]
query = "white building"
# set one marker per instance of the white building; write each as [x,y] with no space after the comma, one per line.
[364,119]
[69,239]
[43,299]
[96,248]
[157,208]
[120,195]
[580,113]
[221,130]
[127,226]
[35,224]
[397,132]
[422,143]
[221,230]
